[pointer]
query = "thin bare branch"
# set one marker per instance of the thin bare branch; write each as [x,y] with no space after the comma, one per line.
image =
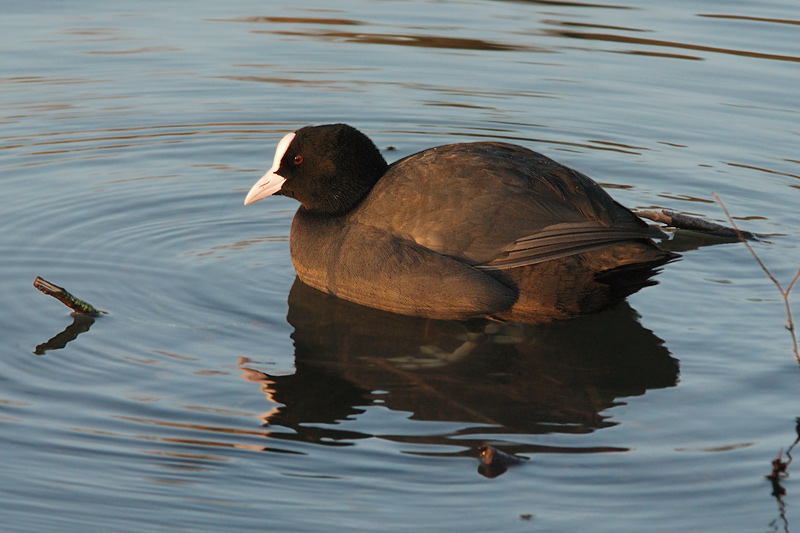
[791,283]
[784,293]
[679,221]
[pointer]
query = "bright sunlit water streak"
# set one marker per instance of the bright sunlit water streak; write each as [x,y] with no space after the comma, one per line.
[215,395]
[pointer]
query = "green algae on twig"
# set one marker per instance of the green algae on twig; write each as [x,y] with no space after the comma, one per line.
[63,296]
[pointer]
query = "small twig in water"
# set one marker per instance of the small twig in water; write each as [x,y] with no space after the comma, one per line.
[491,456]
[784,293]
[676,220]
[63,296]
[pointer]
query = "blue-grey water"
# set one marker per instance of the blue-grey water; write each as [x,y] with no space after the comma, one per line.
[217,394]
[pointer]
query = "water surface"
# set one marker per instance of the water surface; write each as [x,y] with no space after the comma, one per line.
[218,393]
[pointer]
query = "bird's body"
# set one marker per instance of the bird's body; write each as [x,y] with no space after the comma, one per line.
[458,231]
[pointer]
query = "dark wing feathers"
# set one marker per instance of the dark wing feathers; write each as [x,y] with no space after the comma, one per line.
[561,240]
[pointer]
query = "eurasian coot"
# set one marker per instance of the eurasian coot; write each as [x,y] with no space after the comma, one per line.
[483,229]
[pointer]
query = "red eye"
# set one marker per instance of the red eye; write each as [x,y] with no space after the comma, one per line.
[298,159]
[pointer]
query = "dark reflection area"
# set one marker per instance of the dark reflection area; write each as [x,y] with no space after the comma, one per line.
[504,378]
[647,43]
[780,471]
[80,323]
[425,41]
[414,40]
[686,240]
[570,3]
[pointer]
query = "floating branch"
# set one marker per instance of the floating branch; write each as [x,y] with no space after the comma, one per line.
[676,220]
[784,293]
[494,462]
[491,456]
[779,471]
[63,296]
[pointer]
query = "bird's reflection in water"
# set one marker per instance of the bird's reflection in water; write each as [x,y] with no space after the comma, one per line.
[520,379]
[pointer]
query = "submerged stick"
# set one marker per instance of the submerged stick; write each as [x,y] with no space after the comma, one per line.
[494,462]
[676,220]
[491,456]
[784,293]
[63,296]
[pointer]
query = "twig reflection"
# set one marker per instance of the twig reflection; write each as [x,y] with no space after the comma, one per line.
[80,324]
[780,471]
